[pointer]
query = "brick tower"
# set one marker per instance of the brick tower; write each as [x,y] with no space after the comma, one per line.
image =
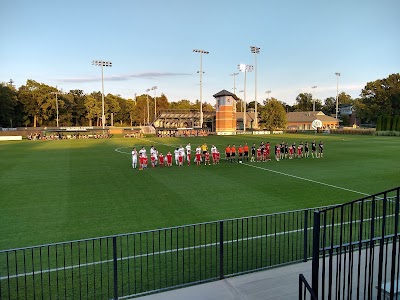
[225,112]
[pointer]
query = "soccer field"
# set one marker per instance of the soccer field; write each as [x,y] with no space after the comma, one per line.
[71,189]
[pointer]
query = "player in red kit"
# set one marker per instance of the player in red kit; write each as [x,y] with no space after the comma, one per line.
[145,162]
[268,150]
[207,158]
[265,155]
[161,160]
[169,159]
[198,158]
[259,154]
[188,157]
[291,152]
[180,159]
[299,148]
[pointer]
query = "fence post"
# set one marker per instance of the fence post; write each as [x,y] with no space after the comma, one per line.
[305,242]
[221,250]
[115,268]
[394,248]
[315,254]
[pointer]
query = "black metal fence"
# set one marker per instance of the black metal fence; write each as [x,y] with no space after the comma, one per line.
[356,249]
[128,265]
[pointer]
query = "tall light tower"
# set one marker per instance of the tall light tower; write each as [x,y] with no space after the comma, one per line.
[255,50]
[56,93]
[337,92]
[102,64]
[148,106]
[241,102]
[201,83]
[245,68]
[155,101]
[313,107]
[234,81]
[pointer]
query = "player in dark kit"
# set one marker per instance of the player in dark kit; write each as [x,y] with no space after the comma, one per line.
[253,153]
[313,149]
[306,150]
[321,149]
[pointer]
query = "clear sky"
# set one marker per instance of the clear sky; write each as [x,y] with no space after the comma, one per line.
[150,43]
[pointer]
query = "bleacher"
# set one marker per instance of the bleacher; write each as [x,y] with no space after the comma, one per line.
[182,118]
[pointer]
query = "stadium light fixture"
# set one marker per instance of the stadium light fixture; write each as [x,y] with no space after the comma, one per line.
[337,93]
[245,68]
[102,63]
[255,50]
[201,82]
[268,92]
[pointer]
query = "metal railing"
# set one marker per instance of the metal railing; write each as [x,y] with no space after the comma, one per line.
[134,264]
[305,290]
[356,249]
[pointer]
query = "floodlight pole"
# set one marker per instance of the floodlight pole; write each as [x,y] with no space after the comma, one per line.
[268,92]
[241,102]
[201,83]
[102,64]
[337,93]
[56,93]
[313,87]
[245,68]
[148,106]
[255,50]
[234,81]
[155,102]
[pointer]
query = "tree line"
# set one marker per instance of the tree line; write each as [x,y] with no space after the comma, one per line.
[34,104]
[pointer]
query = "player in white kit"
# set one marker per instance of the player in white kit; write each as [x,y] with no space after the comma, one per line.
[134,157]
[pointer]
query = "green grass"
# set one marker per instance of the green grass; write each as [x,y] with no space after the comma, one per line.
[55,191]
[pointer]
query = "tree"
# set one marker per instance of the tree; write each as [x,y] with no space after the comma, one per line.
[389,123]
[113,108]
[304,102]
[379,123]
[394,123]
[329,107]
[273,115]
[380,97]
[38,102]
[181,104]
[74,108]
[344,98]
[140,112]
[93,109]
[8,103]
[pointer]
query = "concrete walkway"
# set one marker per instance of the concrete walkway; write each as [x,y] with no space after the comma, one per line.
[276,283]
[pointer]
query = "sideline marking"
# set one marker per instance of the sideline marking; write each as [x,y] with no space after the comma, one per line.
[310,180]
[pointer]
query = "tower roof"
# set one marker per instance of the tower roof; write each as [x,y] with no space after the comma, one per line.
[225,93]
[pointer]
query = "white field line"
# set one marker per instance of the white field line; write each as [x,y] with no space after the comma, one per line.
[306,179]
[176,250]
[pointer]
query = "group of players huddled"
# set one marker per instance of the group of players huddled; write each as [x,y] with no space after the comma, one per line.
[262,153]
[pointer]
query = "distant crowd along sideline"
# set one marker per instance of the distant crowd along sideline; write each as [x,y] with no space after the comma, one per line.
[262,153]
